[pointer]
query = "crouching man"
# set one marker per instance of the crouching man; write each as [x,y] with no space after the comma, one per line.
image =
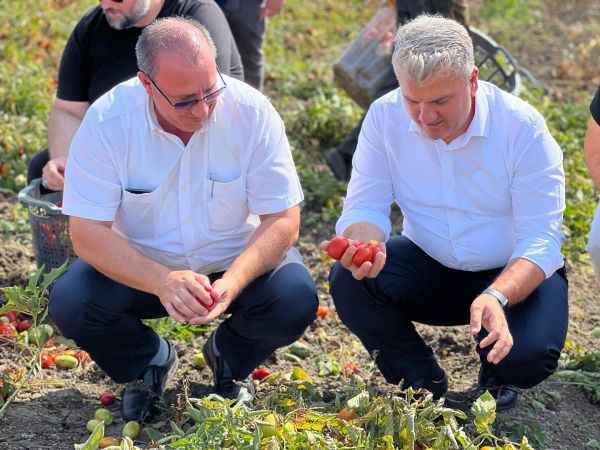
[183,199]
[480,183]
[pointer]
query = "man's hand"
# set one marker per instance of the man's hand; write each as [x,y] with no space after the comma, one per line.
[270,8]
[367,269]
[186,295]
[53,174]
[225,291]
[487,311]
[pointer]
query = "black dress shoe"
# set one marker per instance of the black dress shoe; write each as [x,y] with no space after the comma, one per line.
[225,385]
[140,398]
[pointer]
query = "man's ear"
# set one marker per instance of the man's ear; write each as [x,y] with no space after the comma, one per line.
[474,80]
[145,81]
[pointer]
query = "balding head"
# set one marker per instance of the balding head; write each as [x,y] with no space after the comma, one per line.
[185,37]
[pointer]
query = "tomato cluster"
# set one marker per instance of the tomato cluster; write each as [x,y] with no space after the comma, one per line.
[364,251]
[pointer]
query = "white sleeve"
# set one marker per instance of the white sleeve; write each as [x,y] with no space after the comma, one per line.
[370,191]
[538,200]
[272,181]
[92,185]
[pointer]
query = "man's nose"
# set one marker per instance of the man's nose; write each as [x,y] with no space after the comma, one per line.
[427,114]
[200,110]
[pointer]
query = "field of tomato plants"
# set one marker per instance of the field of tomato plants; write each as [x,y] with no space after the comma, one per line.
[322,392]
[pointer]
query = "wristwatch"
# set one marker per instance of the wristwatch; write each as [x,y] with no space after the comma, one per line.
[497,295]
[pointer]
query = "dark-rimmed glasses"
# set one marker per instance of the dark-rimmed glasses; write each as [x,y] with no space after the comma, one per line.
[208,99]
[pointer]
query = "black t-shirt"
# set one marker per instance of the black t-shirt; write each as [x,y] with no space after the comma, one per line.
[97,57]
[595,107]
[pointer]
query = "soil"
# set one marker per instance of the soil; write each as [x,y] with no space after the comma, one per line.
[51,412]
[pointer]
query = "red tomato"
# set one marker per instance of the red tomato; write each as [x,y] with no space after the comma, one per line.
[83,357]
[7,330]
[323,311]
[337,246]
[11,315]
[107,398]
[23,325]
[47,360]
[362,255]
[350,368]
[260,373]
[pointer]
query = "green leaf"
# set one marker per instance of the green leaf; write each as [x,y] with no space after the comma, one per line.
[484,410]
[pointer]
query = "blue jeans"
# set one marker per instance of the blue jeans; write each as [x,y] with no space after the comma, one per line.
[104,318]
[413,287]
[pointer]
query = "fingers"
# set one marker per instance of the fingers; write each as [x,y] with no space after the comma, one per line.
[53,175]
[501,348]
[174,313]
[323,245]
[378,264]
[199,293]
[346,259]
[476,314]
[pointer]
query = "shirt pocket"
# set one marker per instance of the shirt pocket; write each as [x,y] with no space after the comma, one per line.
[136,217]
[227,204]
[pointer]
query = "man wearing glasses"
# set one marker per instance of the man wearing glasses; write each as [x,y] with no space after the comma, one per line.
[183,199]
[100,54]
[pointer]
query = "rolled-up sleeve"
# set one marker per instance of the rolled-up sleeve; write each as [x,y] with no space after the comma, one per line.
[538,199]
[92,186]
[370,191]
[272,184]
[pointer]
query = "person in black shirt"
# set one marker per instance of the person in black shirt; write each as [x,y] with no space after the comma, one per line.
[247,19]
[591,152]
[100,53]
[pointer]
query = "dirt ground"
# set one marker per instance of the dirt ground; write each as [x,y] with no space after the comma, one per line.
[52,411]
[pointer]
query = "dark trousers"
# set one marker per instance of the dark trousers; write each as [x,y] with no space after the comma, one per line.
[104,318]
[248,30]
[413,287]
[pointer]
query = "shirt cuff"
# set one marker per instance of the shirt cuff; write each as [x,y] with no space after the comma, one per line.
[275,205]
[543,254]
[90,212]
[348,218]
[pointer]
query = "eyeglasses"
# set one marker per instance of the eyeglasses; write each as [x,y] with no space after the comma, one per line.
[208,99]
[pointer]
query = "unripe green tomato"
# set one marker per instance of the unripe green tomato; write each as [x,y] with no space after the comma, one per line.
[104,415]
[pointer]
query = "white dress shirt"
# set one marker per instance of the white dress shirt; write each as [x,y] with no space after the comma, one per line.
[191,206]
[493,194]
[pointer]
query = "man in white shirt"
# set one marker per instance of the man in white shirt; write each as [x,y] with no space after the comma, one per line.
[480,183]
[183,199]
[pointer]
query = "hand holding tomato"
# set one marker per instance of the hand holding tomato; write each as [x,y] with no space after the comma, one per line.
[362,259]
[222,293]
[186,294]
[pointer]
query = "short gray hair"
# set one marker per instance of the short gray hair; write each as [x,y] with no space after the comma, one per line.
[174,34]
[432,44]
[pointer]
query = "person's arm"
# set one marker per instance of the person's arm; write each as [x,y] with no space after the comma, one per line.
[65,118]
[182,292]
[591,150]
[366,213]
[538,202]
[270,8]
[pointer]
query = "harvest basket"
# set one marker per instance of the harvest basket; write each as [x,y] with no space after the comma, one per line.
[49,227]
